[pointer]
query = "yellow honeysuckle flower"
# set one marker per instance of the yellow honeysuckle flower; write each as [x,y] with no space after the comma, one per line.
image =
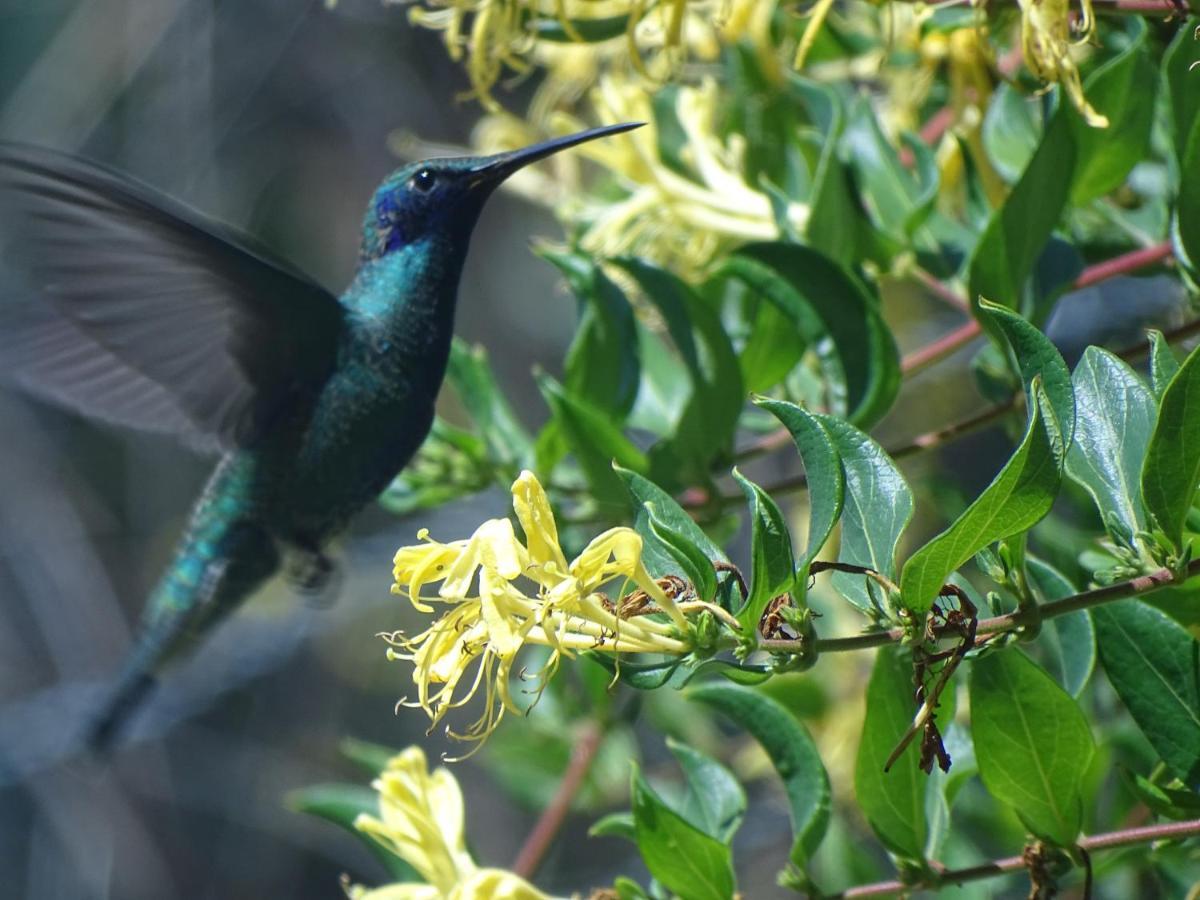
[421,821]
[1046,44]
[651,37]
[503,594]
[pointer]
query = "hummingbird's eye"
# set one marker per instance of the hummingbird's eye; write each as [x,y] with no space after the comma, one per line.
[423,181]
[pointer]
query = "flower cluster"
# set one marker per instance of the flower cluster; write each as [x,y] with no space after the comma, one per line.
[1047,46]
[500,594]
[421,821]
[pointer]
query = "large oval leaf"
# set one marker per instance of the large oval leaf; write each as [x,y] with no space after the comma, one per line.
[1115,416]
[792,752]
[1154,664]
[1032,743]
[823,299]
[893,801]
[1171,470]
[878,505]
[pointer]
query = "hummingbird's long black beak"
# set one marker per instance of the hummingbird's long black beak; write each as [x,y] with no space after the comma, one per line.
[494,169]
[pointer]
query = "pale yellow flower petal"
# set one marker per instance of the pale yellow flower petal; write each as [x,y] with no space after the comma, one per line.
[496,884]
[537,521]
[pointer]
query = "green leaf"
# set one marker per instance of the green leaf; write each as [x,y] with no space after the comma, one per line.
[862,365]
[508,443]
[1010,134]
[644,494]
[1032,743]
[1070,640]
[618,824]
[713,801]
[1163,363]
[697,568]
[878,505]
[371,758]
[1180,80]
[683,858]
[341,804]
[1115,416]
[710,415]
[792,752]
[772,566]
[1154,665]
[1171,470]
[1021,494]
[773,348]
[893,801]
[1036,358]
[1181,85]
[594,439]
[832,225]
[1174,803]
[1005,255]
[1122,89]
[601,367]
[822,469]
[886,188]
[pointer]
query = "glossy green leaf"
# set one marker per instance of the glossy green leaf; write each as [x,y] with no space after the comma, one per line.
[1171,470]
[1163,362]
[1181,84]
[1020,495]
[710,414]
[659,561]
[1180,81]
[878,505]
[1005,255]
[791,751]
[601,366]
[713,800]
[833,219]
[893,801]
[772,566]
[1010,134]
[696,567]
[594,439]
[1032,743]
[1115,416]
[862,365]
[342,804]
[618,824]
[1122,89]
[822,468]
[680,856]
[1070,640]
[1036,358]
[508,443]
[886,187]
[773,348]
[1154,665]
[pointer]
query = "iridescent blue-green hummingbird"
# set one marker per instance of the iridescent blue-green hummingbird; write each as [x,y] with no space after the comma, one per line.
[152,317]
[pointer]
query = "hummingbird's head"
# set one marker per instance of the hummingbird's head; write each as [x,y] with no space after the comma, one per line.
[442,198]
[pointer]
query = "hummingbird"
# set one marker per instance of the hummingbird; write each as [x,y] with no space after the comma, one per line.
[154,317]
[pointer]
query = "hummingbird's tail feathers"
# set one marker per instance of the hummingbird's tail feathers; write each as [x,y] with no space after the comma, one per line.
[129,694]
[221,563]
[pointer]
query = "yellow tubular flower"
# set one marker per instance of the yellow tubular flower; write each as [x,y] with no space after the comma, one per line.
[1046,44]
[421,821]
[503,594]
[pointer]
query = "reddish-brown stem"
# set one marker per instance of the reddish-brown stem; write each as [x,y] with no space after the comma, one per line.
[948,344]
[1122,590]
[533,851]
[1125,838]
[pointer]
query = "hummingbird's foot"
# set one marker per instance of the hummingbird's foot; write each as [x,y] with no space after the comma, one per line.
[315,575]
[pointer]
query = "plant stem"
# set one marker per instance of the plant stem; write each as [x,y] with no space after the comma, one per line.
[1108,841]
[1122,590]
[542,835]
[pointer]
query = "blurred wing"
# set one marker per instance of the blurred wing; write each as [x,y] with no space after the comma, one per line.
[155,318]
